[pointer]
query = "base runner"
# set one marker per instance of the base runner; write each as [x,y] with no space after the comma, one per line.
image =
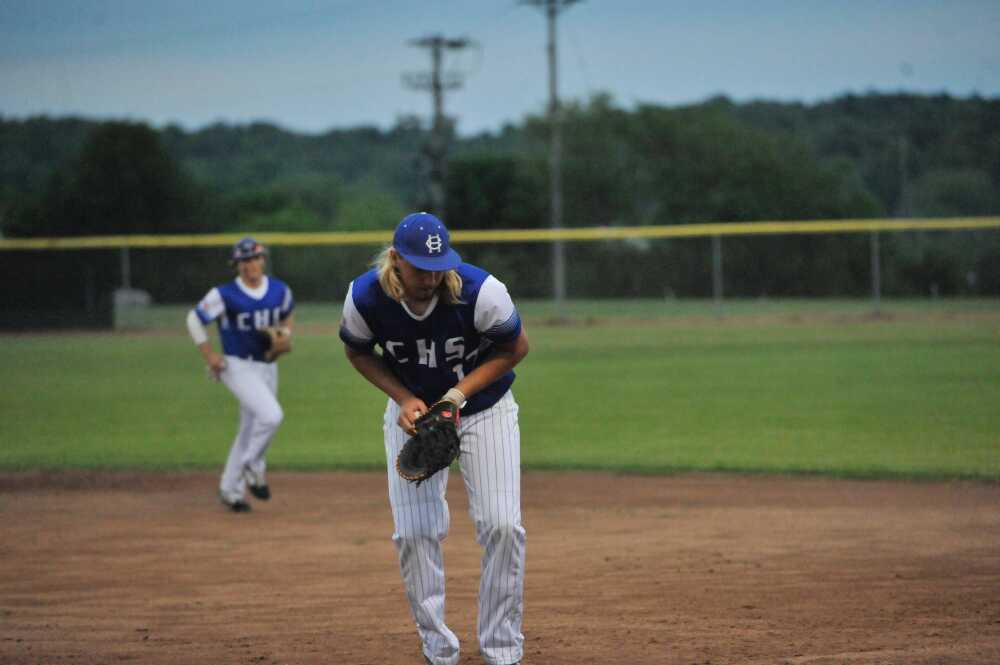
[254,314]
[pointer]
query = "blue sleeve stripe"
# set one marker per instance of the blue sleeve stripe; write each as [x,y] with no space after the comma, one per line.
[202,316]
[355,343]
[506,331]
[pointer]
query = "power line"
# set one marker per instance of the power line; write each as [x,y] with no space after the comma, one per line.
[552,9]
[437,82]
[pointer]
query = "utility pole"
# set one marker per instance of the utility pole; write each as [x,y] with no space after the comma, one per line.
[552,9]
[436,150]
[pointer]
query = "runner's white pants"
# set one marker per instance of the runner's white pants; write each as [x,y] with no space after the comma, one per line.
[255,385]
[491,467]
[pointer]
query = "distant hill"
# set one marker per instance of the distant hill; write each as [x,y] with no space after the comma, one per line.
[920,155]
[854,156]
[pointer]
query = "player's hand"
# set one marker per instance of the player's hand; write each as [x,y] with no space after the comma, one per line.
[215,364]
[409,410]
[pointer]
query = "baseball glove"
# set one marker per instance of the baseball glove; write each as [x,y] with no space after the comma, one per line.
[435,445]
[277,341]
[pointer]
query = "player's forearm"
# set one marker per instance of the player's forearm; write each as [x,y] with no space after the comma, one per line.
[484,375]
[206,350]
[199,334]
[504,359]
[374,369]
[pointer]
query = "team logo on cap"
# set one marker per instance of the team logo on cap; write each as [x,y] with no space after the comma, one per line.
[434,243]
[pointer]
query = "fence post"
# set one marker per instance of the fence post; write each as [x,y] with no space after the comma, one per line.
[90,294]
[876,272]
[126,268]
[717,270]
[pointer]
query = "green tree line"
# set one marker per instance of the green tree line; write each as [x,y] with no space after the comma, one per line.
[855,156]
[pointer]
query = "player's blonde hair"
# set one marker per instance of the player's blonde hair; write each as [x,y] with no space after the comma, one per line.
[449,292]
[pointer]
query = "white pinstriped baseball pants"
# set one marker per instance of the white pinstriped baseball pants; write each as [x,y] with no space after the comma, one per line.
[255,385]
[491,467]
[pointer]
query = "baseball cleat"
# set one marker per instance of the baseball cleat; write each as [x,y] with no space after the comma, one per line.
[257,484]
[262,492]
[235,505]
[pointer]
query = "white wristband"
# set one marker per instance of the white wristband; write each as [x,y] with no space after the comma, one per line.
[455,396]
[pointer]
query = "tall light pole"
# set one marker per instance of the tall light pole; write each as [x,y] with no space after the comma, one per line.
[437,82]
[552,9]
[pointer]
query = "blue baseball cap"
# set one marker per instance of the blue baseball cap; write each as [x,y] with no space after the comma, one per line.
[422,239]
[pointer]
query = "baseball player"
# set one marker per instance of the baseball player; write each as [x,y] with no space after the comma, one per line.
[244,308]
[447,330]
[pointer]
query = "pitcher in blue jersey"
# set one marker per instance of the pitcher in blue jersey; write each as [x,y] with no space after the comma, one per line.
[447,330]
[243,307]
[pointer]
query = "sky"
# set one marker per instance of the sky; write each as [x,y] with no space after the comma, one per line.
[311,66]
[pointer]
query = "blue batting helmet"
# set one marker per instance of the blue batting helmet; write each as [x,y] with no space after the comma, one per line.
[247,248]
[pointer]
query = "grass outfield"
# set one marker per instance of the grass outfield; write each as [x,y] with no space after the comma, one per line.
[650,387]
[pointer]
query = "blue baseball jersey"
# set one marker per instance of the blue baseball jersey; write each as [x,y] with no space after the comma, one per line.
[242,311]
[432,352]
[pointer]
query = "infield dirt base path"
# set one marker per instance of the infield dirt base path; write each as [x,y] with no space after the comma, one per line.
[691,569]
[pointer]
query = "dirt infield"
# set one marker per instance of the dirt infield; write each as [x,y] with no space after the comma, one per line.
[693,569]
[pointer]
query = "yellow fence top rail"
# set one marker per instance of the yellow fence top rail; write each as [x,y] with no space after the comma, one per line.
[513,235]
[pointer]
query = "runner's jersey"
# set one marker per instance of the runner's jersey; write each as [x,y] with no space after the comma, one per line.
[241,311]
